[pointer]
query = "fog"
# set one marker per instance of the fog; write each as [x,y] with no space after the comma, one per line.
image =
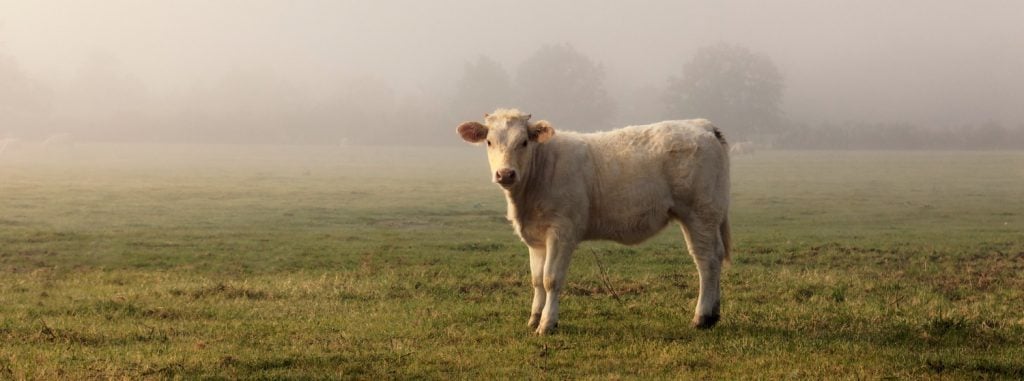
[789,74]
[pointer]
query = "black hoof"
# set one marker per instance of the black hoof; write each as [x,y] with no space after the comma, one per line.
[706,321]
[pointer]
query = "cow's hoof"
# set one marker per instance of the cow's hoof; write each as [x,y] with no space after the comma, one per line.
[546,329]
[534,321]
[706,321]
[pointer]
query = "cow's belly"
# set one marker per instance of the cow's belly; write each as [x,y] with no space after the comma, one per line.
[630,228]
[628,212]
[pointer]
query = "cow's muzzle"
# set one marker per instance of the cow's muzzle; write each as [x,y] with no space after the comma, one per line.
[505,177]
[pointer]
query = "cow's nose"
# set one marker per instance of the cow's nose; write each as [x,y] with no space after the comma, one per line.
[505,176]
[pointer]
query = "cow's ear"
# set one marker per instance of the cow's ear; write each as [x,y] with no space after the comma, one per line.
[472,132]
[540,131]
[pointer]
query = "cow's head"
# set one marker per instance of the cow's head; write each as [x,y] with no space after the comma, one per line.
[511,141]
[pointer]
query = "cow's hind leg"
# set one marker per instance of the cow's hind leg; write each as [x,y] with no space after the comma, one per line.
[705,245]
[537,256]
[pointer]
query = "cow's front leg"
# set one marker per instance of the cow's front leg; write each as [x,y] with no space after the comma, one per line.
[556,264]
[537,255]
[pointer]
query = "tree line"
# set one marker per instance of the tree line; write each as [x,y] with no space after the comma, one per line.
[739,89]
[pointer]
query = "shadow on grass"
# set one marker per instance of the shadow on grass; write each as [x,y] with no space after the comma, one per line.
[940,344]
[929,340]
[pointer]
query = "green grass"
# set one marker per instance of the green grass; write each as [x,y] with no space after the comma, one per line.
[271,262]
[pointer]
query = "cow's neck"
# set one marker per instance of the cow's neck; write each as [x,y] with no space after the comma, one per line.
[520,196]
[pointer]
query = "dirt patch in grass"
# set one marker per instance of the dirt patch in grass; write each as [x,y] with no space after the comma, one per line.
[477,247]
[976,368]
[229,291]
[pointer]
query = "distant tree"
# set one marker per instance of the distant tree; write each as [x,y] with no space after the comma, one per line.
[1017,137]
[367,112]
[104,101]
[250,105]
[733,87]
[22,100]
[13,85]
[560,84]
[484,86]
[990,134]
[641,105]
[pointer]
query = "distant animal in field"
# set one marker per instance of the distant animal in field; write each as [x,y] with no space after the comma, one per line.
[59,141]
[624,185]
[742,148]
[9,144]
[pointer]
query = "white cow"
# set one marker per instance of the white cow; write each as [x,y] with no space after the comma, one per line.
[623,185]
[742,148]
[59,141]
[8,144]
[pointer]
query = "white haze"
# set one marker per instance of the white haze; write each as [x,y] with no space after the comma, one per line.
[937,63]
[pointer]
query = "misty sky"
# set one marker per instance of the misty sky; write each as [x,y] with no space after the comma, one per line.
[899,61]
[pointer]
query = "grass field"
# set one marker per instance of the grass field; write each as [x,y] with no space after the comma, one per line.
[277,262]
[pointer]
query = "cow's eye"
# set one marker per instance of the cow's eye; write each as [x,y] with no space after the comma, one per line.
[488,143]
[524,143]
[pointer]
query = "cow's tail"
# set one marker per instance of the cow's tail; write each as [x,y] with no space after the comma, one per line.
[726,239]
[723,229]
[719,136]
